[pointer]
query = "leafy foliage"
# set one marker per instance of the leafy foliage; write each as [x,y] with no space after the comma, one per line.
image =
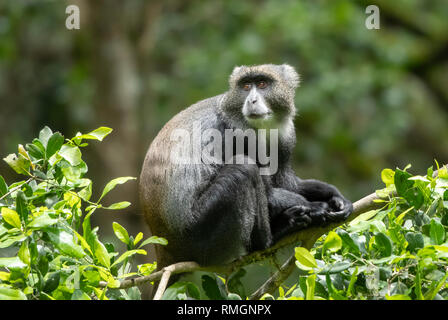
[45,225]
[399,252]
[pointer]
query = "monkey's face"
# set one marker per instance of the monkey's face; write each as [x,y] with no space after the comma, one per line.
[262,95]
[255,108]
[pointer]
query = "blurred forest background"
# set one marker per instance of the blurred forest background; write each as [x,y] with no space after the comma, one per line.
[369,99]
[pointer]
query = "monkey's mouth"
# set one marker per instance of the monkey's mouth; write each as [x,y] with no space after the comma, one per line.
[258,116]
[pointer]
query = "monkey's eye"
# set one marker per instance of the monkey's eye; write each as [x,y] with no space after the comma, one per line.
[246,86]
[262,84]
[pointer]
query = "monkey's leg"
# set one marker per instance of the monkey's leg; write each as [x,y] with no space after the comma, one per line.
[232,216]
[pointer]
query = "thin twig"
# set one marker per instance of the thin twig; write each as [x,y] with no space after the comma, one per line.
[16,188]
[163,283]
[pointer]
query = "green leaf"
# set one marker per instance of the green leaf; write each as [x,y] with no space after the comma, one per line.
[19,164]
[332,242]
[128,254]
[179,288]
[10,240]
[305,260]
[147,268]
[348,241]
[73,173]
[54,144]
[101,253]
[387,176]
[384,244]
[336,267]
[233,296]
[84,243]
[21,207]
[402,184]
[51,281]
[24,253]
[36,149]
[71,153]
[436,232]
[440,284]
[154,239]
[118,205]
[65,242]
[351,285]
[113,183]
[138,238]
[11,217]
[80,295]
[415,241]
[13,263]
[120,232]
[418,284]
[414,197]
[97,134]
[11,294]
[3,187]
[398,297]
[45,135]
[44,220]
[310,286]
[234,283]
[212,289]
[86,192]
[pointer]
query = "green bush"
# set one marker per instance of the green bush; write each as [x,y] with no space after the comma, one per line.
[399,252]
[53,251]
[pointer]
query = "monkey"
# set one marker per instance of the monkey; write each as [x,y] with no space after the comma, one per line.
[214,212]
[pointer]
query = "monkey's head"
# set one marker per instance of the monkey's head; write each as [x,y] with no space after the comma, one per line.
[262,96]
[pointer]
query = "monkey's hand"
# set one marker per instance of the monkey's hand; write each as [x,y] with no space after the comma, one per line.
[300,217]
[340,208]
[291,220]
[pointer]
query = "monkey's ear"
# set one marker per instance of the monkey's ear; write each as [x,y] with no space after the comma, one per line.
[291,76]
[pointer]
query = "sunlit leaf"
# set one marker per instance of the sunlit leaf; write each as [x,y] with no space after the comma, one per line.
[120,232]
[45,135]
[128,254]
[332,242]
[305,260]
[113,183]
[154,240]
[387,176]
[71,153]
[118,205]
[11,217]
[65,242]
[11,294]
[436,232]
[19,164]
